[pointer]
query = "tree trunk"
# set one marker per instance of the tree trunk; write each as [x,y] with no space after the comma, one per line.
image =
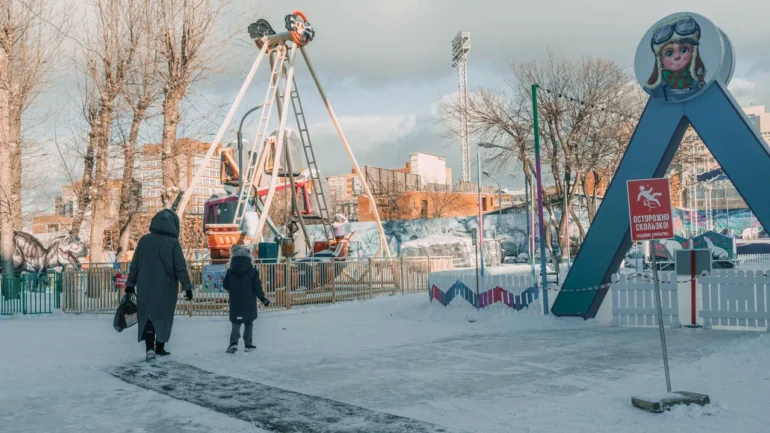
[581,229]
[99,190]
[590,200]
[84,192]
[168,157]
[6,178]
[14,138]
[127,200]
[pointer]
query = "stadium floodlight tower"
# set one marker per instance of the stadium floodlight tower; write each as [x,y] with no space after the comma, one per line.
[461,45]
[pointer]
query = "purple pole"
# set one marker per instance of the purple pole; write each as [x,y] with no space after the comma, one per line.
[543,269]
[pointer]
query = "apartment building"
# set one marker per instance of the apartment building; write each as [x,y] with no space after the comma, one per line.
[188,157]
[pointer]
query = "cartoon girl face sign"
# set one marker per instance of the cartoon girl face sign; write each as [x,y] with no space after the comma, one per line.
[678,70]
[672,57]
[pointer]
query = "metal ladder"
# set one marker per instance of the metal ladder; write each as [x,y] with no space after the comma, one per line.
[307,146]
[251,170]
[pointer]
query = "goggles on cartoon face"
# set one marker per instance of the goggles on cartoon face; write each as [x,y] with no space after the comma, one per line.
[683,27]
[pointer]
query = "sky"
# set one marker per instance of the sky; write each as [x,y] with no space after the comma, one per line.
[385,65]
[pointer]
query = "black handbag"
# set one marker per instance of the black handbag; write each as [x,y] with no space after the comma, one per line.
[126,315]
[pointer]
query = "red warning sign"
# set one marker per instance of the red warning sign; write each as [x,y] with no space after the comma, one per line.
[649,206]
[120,280]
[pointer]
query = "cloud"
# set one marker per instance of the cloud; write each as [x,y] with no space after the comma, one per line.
[371,138]
[754,90]
[380,43]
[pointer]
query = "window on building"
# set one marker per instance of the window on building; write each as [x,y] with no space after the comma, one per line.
[424,209]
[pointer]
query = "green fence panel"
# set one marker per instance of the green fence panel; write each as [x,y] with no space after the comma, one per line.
[29,293]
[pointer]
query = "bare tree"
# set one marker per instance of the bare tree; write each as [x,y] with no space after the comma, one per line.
[442,200]
[581,120]
[141,91]
[31,44]
[6,216]
[185,33]
[108,57]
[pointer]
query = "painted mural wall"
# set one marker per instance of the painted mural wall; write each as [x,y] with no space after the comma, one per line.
[511,229]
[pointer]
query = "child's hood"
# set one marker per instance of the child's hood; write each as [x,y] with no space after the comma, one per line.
[240,265]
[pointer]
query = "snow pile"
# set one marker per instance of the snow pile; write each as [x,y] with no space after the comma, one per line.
[459,248]
[497,317]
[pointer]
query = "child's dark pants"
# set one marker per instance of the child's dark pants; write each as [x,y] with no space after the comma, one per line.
[235,335]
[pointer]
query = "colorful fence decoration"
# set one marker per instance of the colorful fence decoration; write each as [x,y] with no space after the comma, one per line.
[515,291]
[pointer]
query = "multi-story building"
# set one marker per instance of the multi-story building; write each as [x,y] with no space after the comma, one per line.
[345,186]
[695,161]
[188,157]
[64,206]
[432,169]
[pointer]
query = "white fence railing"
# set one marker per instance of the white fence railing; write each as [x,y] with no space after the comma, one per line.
[753,258]
[634,304]
[725,299]
[735,300]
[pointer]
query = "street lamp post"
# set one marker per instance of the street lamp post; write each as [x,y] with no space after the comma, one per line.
[239,135]
[499,189]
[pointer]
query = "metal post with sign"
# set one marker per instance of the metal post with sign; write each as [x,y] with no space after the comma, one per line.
[651,217]
[649,205]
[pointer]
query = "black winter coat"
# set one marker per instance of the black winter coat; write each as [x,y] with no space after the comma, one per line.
[243,283]
[156,271]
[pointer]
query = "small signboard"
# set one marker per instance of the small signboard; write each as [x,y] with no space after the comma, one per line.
[693,262]
[120,280]
[212,278]
[649,206]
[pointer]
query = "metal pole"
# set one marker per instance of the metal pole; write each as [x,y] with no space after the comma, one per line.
[241,174]
[727,212]
[221,132]
[566,220]
[660,315]
[481,217]
[476,259]
[530,257]
[543,270]
[636,253]
[279,145]
[335,122]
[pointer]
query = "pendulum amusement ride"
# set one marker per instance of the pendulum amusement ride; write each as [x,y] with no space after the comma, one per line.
[273,163]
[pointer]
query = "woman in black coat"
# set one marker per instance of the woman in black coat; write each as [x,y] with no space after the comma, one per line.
[244,286]
[157,269]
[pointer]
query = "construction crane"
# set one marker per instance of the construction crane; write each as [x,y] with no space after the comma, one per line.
[461,45]
[269,160]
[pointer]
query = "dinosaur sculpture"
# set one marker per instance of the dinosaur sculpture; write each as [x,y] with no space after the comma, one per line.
[31,256]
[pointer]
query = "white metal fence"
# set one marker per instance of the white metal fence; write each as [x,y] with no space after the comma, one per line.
[753,258]
[93,290]
[634,304]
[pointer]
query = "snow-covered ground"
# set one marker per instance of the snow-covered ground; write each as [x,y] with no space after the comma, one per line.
[488,371]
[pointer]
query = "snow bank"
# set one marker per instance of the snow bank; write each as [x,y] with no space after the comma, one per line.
[485,371]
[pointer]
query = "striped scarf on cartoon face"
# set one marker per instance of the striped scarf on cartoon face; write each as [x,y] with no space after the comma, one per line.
[678,80]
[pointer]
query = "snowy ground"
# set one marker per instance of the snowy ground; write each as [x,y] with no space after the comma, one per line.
[487,371]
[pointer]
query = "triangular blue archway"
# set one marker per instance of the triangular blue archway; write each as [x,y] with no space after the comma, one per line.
[734,143]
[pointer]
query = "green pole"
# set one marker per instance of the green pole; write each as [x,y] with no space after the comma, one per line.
[541,220]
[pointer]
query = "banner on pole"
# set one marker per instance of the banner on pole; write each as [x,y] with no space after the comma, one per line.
[649,206]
